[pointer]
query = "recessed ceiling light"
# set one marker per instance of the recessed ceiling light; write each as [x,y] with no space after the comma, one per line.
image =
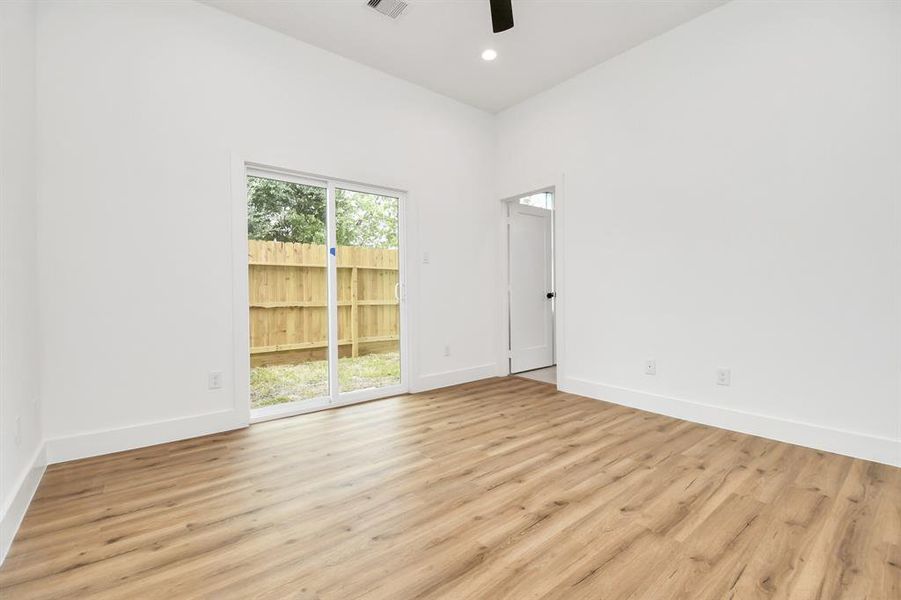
[489,54]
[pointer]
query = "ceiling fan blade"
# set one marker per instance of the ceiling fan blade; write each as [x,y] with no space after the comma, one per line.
[501,15]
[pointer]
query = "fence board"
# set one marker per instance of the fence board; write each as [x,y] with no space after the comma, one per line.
[288,301]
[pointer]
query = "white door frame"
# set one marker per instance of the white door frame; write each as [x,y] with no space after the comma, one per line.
[559,280]
[241,294]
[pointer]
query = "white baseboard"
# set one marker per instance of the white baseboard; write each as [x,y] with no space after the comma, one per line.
[455,377]
[25,488]
[95,443]
[839,441]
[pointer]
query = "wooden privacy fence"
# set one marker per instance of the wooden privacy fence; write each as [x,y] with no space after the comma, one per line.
[288,301]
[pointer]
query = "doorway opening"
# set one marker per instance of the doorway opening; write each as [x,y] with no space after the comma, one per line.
[531,294]
[325,293]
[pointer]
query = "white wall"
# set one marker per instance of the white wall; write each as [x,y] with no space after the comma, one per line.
[141,106]
[731,199]
[21,444]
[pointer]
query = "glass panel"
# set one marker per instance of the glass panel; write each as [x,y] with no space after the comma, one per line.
[288,281]
[368,309]
[539,200]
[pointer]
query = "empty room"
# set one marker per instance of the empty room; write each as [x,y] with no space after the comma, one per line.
[457,299]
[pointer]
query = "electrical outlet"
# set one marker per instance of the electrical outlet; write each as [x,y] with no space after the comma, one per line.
[18,435]
[447,350]
[723,377]
[650,367]
[215,380]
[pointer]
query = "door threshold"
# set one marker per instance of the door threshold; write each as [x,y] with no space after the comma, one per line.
[293,409]
[547,375]
[535,369]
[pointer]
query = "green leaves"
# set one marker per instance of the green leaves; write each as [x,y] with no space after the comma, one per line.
[366,219]
[285,212]
[292,212]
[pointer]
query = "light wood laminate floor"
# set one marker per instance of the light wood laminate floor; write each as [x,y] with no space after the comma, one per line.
[503,488]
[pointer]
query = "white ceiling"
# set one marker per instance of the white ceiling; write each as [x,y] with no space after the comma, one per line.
[437,43]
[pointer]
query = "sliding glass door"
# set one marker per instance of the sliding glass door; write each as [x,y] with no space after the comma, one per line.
[368,290]
[288,291]
[326,293]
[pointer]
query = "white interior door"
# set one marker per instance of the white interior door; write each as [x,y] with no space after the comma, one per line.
[531,288]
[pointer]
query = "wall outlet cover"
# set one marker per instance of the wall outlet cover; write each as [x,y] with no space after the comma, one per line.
[215,380]
[723,377]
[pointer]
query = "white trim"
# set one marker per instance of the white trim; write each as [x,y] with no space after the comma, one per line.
[263,172]
[839,441]
[403,276]
[107,441]
[240,296]
[17,505]
[368,394]
[289,409]
[331,301]
[264,169]
[280,411]
[363,188]
[432,381]
[561,297]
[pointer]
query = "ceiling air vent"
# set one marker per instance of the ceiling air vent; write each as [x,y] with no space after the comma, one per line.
[390,8]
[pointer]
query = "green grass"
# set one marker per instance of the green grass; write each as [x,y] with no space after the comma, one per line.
[294,383]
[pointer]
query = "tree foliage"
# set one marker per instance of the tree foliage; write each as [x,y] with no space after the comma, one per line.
[291,212]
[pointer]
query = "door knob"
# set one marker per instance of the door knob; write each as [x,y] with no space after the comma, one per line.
[550,295]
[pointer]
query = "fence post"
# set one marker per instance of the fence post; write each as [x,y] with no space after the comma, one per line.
[354,313]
